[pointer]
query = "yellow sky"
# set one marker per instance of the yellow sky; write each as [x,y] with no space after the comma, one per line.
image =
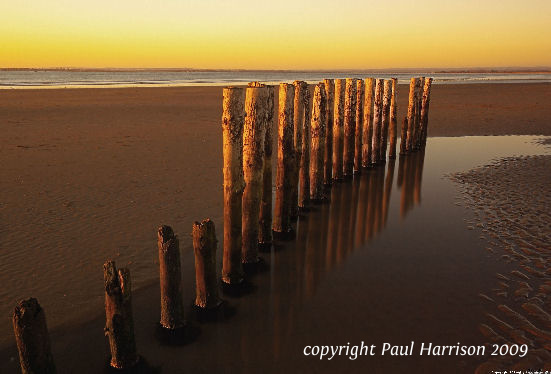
[282,34]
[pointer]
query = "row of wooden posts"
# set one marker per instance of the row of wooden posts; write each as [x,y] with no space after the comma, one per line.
[347,128]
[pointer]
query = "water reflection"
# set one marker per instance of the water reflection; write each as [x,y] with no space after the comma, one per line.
[410,174]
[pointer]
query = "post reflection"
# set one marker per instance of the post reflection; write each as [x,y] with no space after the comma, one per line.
[356,213]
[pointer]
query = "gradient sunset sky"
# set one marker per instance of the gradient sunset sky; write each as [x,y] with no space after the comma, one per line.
[284,34]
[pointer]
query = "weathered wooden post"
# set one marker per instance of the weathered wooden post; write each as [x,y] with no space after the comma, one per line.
[119,326]
[367,134]
[417,128]
[377,122]
[393,124]
[386,119]
[204,247]
[411,114]
[404,136]
[304,177]
[360,89]
[172,305]
[338,130]
[425,111]
[265,219]
[328,154]
[254,134]
[286,157]
[233,119]
[319,122]
[298,121]
[32,338]
[349,127]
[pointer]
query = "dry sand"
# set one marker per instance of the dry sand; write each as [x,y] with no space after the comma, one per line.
[88,174]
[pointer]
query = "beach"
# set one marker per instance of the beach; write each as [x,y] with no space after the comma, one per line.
[88,174]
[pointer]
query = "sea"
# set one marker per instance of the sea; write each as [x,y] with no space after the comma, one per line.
[17,79]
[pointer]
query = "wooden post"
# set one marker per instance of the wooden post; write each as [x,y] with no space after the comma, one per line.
[304,178]
[393,124]
[417,131]
[32,338]
[233,119]
[349,127]
[254,134]
[319,121]
[377,122]
[298,121]
[119,326]
[172,305]
[285,159]
[204,247]
[265,218]
[386,119]
[367,134]
[425,111]
[403,136]
[328,154]
[338,130]
[360,89]
[411,114]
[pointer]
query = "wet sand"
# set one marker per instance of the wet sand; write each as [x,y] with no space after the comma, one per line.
[89,174]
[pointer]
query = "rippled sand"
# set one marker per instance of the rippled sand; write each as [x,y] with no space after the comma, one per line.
[511,199]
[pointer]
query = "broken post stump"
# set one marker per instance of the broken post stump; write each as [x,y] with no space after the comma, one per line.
[319,123]
[329,108]
[286,157]
[32,338]
[349,127]
[360,92]
[367,133]
[393,125]
[411,114]
[204,247]
[338,130]
[387,93]
[233,120]
[172,305]
[377,122]
[254,134]
[119,326]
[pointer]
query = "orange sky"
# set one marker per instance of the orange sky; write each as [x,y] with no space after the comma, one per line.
[286,34]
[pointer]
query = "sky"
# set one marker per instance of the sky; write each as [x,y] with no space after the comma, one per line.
[280,34]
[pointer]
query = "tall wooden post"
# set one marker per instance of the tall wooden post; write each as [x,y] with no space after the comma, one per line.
[338,130]
[319,122]
[298,121]
[119,326]
[204,247]
[304,177]
[411,114]
[32,338]
[265,218]
[328,154]
[349,127]
[172,305]
[254,135]
[367,133]
[233,119]
[417,132]
[393,124]
[425,111]
[377,122]
[386,119]
[286,157]
[360,89]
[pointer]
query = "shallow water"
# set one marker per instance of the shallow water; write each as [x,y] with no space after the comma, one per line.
[390,259]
